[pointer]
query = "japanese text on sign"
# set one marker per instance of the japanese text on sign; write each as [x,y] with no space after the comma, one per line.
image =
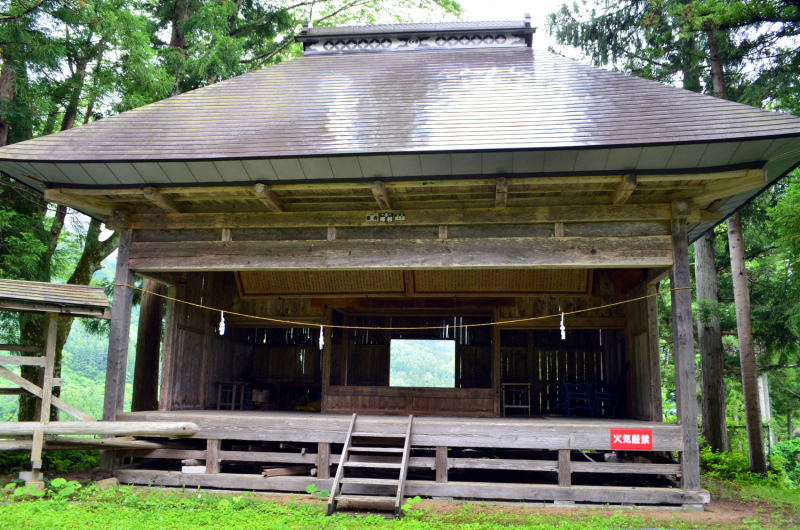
[632,439]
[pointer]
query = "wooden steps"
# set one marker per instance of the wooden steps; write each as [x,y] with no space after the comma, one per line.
[374,465]
[379,462]
[371,481]
[398,450]
[364,498]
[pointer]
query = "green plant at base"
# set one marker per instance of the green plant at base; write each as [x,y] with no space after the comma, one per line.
[410,503]
[320,494]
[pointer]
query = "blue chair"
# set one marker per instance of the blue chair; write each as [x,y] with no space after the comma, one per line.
[579,393]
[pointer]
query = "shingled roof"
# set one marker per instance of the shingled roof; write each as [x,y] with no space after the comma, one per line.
[453,100]
[443,108]
[84,300]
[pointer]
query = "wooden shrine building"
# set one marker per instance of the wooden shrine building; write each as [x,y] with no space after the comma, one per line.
[430,182]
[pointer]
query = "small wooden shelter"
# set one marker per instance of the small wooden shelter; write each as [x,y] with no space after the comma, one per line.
[432,181]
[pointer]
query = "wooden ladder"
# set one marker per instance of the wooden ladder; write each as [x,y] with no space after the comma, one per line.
[344,462]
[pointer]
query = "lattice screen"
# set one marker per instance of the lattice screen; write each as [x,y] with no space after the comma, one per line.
[426,282]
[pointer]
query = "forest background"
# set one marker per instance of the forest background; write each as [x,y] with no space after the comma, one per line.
[66,63]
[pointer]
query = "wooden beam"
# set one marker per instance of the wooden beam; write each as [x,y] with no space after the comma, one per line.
[20,348]
[441,465]
[409,282]
[656,275]
[116,428]
[570,322]
[558,230]
[170,346]
[117,360]
[500,192]
[470,490]
[508,433]
[681,209]
[327,349]
[163,201]
[49,356]
[442,231]
[268,197]
[422,217]
[21,361]
[37,391]
[332,235]
[381,195]
[510,252]
[120,220]
[80,202]
[212,456]
[564,468]
[226,235]
[497,370]
[35,307]
[624,190]
[683,352]
[324,460]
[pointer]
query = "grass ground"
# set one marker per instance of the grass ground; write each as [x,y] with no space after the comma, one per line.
[735,506]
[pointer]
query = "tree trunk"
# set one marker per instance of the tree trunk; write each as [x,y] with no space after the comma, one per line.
[709,336]
[8,75]
[145,372]
[744,324]
[717,66]
[95,84]
[180,15]
[75,98]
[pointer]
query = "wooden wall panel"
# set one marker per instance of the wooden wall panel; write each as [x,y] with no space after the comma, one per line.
[417,401]
[643,354]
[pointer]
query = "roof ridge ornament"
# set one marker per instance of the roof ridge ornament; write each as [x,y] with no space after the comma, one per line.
[416,37]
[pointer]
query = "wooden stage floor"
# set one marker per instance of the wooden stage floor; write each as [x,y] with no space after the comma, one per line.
[540,432]
[498,478]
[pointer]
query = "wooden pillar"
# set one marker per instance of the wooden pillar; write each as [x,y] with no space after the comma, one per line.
[49,354]
[148,344]
[564,468]
[212,456]
[323,460]
[747,354]
[326,358]
[168,352]
[496,362]
[709,336]
[441,464]
[683,351]
[118,341]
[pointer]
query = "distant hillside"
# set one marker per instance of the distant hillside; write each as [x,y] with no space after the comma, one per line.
[423,363]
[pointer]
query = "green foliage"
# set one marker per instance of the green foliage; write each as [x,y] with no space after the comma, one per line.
[52,461]
[422,363]
[321,494]
[410,503]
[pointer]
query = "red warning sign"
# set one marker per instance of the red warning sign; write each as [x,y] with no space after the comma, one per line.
[632,439]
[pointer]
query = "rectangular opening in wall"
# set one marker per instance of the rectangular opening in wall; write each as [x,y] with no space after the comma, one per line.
[422,363]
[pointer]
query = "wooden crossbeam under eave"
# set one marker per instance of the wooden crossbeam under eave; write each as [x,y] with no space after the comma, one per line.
[381,195]
[162,200]
[624,190]
[268,197]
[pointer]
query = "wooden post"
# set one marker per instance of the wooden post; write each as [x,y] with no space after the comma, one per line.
[709,337]
[683,351]
[326,356]
[148,343]
[441,464]
[747,355]
[118,340]
[212,456]
[323,460]
[564,468]
[496,362]
[49,354]
[168,351]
